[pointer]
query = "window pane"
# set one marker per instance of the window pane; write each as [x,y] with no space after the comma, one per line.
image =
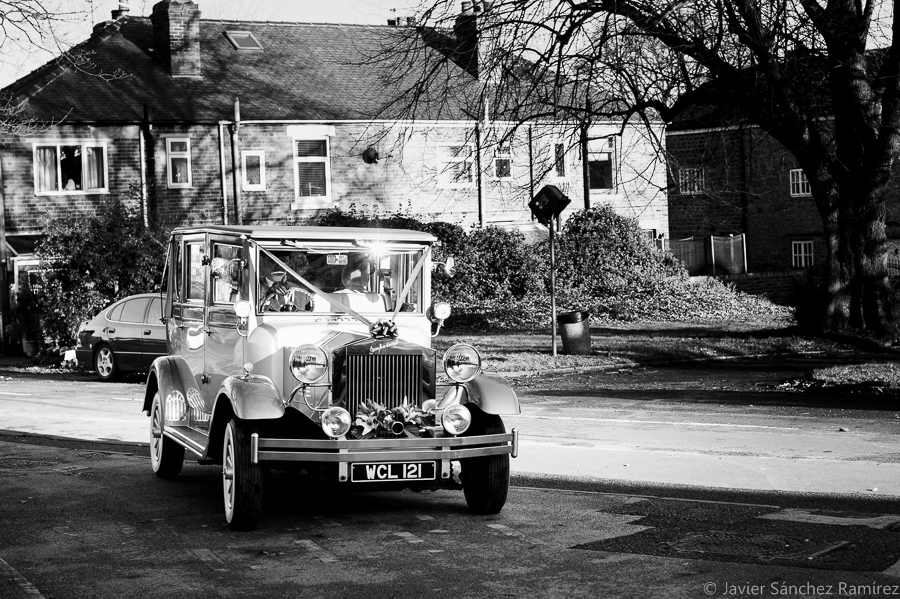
[178,146]
[134,310]
[226,272]
[179,170]
[311,179]
[253,173]
[116,313]
[95,177]
[560,160]
[504,168]
[155,311]
[600,172]
[195,260]
[70,167]
[46,169]
[311,148]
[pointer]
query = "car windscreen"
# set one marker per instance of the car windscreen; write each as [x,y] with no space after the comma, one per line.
[362,279]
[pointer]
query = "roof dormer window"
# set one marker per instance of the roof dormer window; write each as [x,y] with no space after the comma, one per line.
[244,41]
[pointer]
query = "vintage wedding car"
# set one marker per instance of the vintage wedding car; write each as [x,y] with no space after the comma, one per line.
[310,348]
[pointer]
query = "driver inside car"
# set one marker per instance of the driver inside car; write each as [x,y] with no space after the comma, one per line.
[279,291]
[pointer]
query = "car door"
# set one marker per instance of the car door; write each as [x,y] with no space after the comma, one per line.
[153,333]
[126,333]
[229,284]
[186,334]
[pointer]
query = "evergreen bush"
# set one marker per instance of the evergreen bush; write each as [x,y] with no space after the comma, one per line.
[90,261]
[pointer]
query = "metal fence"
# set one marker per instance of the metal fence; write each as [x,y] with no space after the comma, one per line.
[712,255]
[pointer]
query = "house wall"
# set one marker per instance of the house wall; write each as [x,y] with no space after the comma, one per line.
[405,178]
[747,190]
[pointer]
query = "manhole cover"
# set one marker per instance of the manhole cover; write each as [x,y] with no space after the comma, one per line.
[759,546]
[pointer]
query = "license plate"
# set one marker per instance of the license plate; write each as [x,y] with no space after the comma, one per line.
[389,471]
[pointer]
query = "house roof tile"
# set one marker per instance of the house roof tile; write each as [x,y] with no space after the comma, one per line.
[306,71]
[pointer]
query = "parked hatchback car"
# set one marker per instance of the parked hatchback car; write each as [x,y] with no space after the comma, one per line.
[310,349]
[126,336]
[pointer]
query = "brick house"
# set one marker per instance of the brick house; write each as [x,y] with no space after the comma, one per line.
[209,121]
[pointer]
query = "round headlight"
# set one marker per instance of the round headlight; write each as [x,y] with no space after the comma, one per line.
[336,422]
[462,363]
[309,363]
[456,419]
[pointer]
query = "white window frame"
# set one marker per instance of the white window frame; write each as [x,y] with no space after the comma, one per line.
[306,201]
[504,152]
[802,253]
[59,184]
[170,154]
[691,180]
[555,163]
[245,184]
[799,183]
[465,157]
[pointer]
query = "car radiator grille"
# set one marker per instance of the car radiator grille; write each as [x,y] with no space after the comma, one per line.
[389,380]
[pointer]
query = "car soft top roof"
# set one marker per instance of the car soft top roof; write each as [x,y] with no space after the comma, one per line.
[311,233]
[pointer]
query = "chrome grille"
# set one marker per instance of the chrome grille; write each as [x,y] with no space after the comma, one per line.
[385,379]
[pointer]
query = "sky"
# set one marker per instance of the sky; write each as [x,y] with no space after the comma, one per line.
[18,60]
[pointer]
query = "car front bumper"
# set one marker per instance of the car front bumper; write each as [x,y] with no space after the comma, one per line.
[383,450]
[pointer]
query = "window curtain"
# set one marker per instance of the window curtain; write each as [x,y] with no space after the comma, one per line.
[46,169]
[95,177]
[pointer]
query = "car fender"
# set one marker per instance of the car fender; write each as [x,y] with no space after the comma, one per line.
[252,397]
[492,394]
[172,377]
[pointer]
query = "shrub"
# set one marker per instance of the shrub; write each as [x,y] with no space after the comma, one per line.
[90,261]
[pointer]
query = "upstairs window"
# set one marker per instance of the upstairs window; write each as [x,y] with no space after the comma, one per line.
[799,183]
[253,171]
[503,162]
[244,41]
[455,162]
[178,162]
[801,254]
[691,180]
[70,167]
[313,169]
[559,161]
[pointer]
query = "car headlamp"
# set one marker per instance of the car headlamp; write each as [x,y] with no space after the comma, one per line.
[456,419]
[335,422]
[309,363]
[441,311]
[462,363]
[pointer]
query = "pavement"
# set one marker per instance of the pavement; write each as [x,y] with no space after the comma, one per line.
[606,441]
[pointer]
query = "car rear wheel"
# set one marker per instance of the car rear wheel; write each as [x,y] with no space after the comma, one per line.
[105,363]
[242,481]
[166,456]
[485,479]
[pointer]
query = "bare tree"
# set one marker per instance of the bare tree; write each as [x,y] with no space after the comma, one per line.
[820,78]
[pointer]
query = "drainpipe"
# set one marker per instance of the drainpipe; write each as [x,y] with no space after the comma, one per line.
[585,168]
[478,174]
[4,281]
[530,166]
[223,181]
[145,135]
[235,166]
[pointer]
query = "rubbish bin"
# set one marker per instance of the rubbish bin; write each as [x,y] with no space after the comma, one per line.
[576,332]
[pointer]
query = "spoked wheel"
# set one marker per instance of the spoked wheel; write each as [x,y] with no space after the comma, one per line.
[105,363]
[166,456]
[485,479]
[242,481]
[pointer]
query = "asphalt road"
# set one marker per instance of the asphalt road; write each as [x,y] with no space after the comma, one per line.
[649,483]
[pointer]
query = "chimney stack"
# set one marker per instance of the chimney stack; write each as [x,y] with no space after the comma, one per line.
[466,29]
[176,36]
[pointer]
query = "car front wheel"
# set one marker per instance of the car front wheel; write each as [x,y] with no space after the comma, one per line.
[105,363]
[242,481]
[166,456]
[485,479]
